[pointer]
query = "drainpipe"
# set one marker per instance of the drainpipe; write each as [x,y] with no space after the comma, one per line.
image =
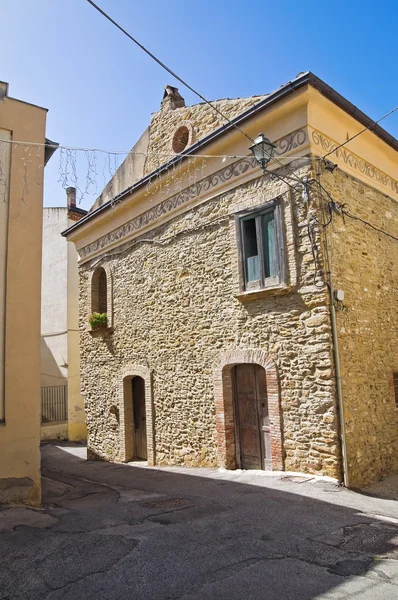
[336,355]
[339,387]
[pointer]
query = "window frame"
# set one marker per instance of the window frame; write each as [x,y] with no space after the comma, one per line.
[93,305]
[272,206]
[395,387]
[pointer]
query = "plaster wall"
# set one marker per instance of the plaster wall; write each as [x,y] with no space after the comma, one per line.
[60,363]
[54,431]
[54,323]
[5,153]
[20,432]
[130,171]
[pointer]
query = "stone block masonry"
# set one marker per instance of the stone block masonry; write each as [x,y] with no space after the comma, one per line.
[200,119]
[180,319]
[365,267]
[177,311]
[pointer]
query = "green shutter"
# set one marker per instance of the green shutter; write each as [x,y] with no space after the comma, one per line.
[270,245]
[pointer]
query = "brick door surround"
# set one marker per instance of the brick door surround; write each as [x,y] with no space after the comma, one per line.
[223,393]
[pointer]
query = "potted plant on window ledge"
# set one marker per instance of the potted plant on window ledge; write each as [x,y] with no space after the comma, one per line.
[98,322]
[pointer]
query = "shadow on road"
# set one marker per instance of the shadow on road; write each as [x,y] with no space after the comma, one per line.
[129,532]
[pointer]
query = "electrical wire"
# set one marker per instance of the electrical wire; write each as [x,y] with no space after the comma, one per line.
[332,204]
[165,67]
[355,218]
[313,251]
[173,74]
[360,132]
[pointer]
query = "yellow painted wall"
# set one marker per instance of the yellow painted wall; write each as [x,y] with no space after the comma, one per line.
[5,154]
[20,431]
[57,430]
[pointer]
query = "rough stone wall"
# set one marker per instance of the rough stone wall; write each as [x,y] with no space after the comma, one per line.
[175,313]
[202,120]
[365,266]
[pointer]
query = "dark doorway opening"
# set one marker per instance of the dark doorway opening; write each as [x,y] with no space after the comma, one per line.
[251,418]
[139,418]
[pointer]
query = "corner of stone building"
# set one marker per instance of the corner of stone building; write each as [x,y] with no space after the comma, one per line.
[363,267]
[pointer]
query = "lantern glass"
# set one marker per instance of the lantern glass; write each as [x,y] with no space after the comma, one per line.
[262,150]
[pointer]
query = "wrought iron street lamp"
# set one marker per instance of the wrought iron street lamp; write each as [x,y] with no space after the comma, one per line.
[262,150]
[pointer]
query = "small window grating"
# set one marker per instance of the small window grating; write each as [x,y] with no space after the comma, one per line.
[395,383]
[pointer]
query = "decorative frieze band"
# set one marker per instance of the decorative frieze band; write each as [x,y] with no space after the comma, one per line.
[354,161]
[245,165]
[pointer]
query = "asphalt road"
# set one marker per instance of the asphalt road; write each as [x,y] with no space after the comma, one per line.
[131,532]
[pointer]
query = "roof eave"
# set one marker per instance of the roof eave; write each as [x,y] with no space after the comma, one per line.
[288,88]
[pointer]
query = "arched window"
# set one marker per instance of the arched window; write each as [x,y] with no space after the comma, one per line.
[99,291]
[100,310]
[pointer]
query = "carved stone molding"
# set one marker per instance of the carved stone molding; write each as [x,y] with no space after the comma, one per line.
[245,165]
[354,161]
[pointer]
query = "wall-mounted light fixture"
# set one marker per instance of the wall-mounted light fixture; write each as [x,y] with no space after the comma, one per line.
[262,150]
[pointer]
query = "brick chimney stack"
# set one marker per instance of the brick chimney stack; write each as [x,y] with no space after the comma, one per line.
[71,197]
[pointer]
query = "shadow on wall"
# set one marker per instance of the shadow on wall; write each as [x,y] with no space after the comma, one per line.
[203,536]
[51,373]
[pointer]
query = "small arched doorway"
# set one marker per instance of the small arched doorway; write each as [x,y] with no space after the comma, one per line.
[137,415]
[139,418]
[251,417]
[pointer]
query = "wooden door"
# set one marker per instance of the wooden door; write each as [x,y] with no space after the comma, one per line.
[139,418]
[252,433]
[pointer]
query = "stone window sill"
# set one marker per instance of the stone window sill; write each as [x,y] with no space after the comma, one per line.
[100,331]
[275,290]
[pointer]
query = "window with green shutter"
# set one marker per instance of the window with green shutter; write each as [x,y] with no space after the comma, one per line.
[260,236]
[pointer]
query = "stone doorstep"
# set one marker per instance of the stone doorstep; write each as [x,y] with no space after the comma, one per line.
[293,476]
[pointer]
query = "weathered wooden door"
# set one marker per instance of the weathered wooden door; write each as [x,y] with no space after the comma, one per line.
[252,432]
[139,418]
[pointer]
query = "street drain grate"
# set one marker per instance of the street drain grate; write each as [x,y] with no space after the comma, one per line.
[167,503]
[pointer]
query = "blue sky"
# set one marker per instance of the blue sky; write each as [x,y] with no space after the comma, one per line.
[100,88]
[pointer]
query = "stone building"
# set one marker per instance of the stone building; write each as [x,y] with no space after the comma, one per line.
[250,315]
[21,210]
[62,413]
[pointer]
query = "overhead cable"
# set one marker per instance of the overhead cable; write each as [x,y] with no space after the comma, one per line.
[345,213]
[128,152]
[173,74]
[369,127]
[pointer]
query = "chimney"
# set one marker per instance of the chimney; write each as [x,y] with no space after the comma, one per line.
[172,98]
[71,197]
[3,90]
